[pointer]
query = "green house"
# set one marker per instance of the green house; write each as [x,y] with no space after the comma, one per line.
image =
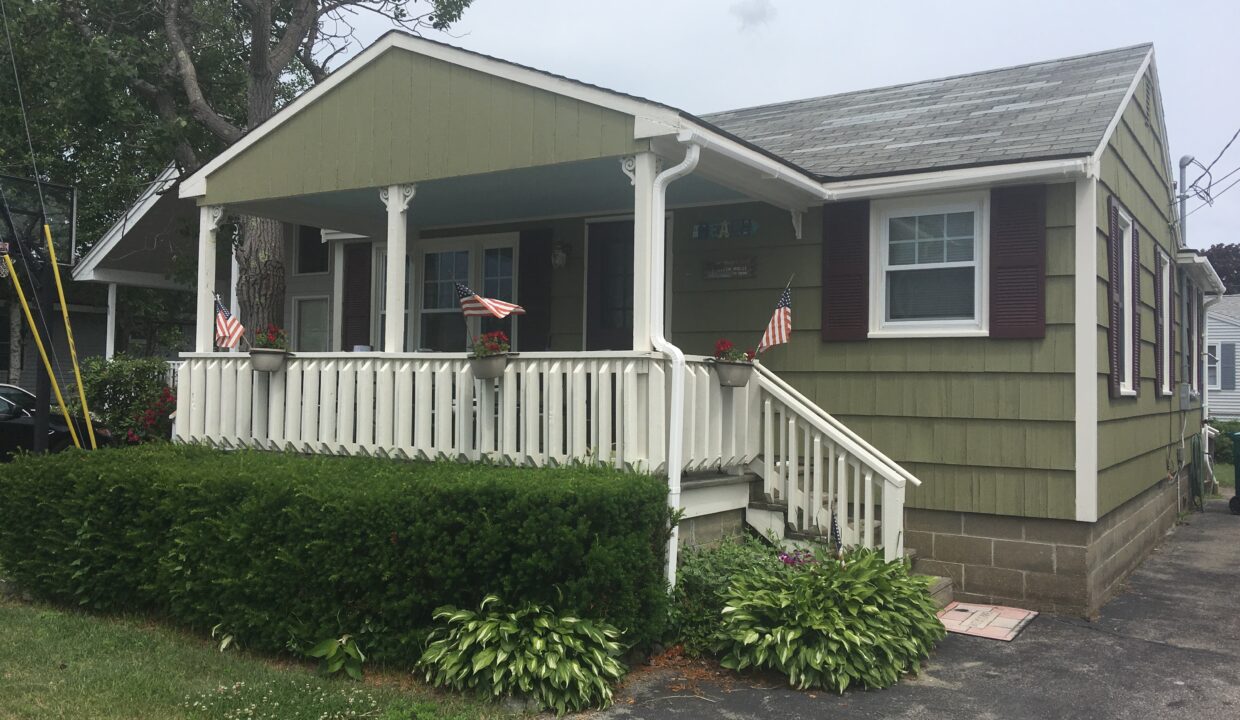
[994,357]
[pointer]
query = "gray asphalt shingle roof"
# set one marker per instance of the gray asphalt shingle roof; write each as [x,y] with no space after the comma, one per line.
[1228,306]
[1059,108]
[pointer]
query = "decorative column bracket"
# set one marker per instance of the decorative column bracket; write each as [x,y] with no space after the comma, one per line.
[404,195]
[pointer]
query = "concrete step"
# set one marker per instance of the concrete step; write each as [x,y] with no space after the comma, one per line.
[941,591]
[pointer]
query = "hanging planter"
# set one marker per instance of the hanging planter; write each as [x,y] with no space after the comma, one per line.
[733,367]
[270,350]
[490,356]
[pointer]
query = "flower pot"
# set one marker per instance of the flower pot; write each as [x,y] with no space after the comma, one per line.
[268,359]
[488,367]
[733,374]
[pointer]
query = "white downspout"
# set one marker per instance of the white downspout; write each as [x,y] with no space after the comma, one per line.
[676,411]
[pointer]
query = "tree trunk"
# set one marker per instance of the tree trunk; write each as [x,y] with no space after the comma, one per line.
[260,260]
[15,344]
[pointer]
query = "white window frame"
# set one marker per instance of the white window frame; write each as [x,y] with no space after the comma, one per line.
[297,253]
[296,332]
[1126,384]
[1168,315]
[1214,361]
[880,214]
[476,245]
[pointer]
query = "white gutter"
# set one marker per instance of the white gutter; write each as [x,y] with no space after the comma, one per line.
[1069,169]
[658,338]
[769,168]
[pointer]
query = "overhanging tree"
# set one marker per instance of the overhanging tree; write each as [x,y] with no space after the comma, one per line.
[182,58]
[1225,257]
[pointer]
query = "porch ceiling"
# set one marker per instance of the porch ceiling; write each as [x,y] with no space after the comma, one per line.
[586,188]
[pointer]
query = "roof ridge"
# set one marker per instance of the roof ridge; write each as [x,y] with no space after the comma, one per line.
[1019,66]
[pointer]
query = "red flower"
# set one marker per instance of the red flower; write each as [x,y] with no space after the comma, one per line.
[723,345]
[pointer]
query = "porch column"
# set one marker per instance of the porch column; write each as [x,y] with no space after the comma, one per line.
[109,342]
[209,217]
[644,167]
[396,198]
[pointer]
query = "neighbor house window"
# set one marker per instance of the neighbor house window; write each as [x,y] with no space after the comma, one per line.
[312,252]
[930,266]
[1212,376]
[311,324]
[1123,298]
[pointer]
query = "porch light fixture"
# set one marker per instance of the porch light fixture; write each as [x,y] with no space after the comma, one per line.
[559,255]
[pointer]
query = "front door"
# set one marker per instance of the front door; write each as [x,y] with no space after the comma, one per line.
[609,286]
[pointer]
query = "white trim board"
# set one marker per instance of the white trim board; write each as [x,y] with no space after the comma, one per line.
[154,191]
[1085,330]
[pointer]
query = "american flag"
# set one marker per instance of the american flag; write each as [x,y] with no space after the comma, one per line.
[228,329]
[474,305]
[779,329]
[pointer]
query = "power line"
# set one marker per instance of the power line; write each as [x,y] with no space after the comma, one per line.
[1206,170]
[1215,197]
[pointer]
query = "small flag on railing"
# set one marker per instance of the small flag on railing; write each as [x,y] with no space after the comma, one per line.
[228,329]
[474,305]
[779,329]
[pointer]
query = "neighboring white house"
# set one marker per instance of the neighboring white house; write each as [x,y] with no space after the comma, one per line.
[1222,336]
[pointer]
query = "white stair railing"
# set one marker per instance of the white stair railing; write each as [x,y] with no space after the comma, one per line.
[818,466]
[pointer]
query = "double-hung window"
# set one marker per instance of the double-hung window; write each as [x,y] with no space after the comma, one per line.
[1212,374]
[487,264]
[930,266]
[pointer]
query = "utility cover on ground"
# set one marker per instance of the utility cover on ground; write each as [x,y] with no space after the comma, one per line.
[989,621]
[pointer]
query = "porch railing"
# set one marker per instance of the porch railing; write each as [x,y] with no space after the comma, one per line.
[551,408]
[548,408]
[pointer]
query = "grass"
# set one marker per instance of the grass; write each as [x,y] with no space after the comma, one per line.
[1225,474]
[56,663]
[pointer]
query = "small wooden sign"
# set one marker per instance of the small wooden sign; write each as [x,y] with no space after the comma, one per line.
[730,269]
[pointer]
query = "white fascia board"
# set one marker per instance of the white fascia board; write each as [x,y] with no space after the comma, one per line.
[1119,112]
[132,278]
[144,203]
[1042,170]
[807,189]
[651,119]
[1202,271]
[329,235]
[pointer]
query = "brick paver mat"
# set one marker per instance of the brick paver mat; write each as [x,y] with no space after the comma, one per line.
[988,621]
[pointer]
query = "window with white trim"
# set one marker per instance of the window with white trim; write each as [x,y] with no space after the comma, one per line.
[930,266]
[312,252]
[1123,296]
[1168,314]
[312,324]
[1212,374]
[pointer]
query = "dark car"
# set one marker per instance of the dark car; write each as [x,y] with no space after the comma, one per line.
[17,407]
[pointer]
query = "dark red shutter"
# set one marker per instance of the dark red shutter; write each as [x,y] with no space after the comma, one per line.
[1018,262]
[355,297]
[845,271]
[1160,345]
[1136,308]
[1115,322]
[534,289]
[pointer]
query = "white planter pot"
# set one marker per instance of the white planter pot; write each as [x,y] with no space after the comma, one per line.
[268,359]
[733,374]
[489,367]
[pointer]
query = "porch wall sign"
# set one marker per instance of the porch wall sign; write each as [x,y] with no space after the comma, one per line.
[730,269]
[724,229]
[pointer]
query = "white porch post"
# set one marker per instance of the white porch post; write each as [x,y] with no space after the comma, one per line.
[643,167]
[109,343]
[234,307]
[396,198]
[209,217]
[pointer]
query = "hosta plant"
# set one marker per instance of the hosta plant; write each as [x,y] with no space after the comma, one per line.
[830,623]
[563,662]
[336,654]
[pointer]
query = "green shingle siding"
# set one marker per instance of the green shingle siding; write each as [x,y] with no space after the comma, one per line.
[1136,436]
[988,425]
[407,118]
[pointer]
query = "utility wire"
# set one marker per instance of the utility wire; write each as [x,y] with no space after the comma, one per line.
[1206,170]
[21,103]
[1216,196]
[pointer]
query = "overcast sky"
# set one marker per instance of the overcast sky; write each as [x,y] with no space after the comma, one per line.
[706,55]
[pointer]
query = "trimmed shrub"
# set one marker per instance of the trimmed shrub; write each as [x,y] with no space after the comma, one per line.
[564,663]
[830,623]
[283,550]
[702,582]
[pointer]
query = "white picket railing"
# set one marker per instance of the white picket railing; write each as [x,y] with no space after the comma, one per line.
[819,467]
[550,408]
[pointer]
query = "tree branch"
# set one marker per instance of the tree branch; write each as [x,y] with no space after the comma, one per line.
[199,107]
[304,18]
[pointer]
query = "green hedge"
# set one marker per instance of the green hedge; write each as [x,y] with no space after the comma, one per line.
[284,550]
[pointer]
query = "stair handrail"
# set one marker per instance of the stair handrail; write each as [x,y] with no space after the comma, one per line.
[890,470]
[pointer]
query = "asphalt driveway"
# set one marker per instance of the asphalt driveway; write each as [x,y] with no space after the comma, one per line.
[1166,647]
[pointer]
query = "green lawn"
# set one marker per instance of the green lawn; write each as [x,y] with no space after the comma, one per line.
[62,664]
[1225,474]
